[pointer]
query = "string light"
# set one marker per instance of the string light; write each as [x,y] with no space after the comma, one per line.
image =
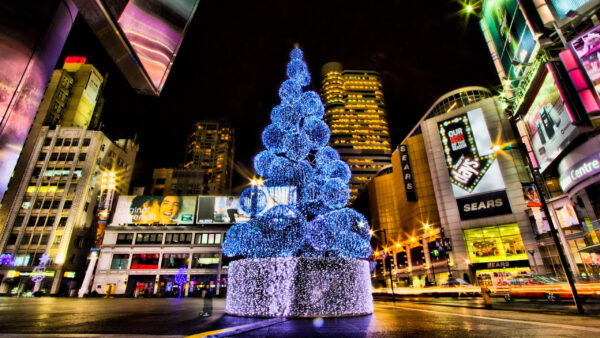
[312,236]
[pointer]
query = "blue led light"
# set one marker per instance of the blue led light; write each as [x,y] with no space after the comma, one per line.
[326,155]
[290,92]
[262,162]
[297,146]
[311,105]
[317,131]
[296,54]
[316,224]
[253,200]
[273,138]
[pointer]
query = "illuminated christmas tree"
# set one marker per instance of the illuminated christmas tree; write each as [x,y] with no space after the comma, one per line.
[181,279]
[313,222]
[304,251]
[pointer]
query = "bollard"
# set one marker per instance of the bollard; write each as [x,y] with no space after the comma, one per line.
[485,294]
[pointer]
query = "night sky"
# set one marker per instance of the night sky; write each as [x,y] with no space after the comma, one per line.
[234,55]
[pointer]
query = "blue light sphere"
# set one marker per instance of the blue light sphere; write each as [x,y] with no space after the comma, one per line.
[350,245]
[338,169]
[311,192]
[335,193]
[298,71]
[286,116]
[253,200]
[273,138]
[262,162]
[303,172]
[296,54]
[282,216]
[318,132]
[319,235]
[311,105]
[281,171]
[326,155]
[232,245]
[290,91]
[297,146]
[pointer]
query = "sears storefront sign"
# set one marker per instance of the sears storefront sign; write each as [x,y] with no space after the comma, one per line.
[475,176]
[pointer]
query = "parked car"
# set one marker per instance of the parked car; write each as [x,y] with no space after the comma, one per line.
[454,282]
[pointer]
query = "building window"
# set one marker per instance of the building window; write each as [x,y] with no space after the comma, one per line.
[57,240]
[67,204]
[86,206]
[62,222]
[47,141]
[75,142]
[70,156]
[12,239]
[175,260]
[44,240]
[119,262]
[126,238]
[59,142]
[53,156]
[495,244]
[205,260]
[35,239]
[86,142]
[26,238]
[81,157]
[208,239]
[148,239]
[160,181]
[144,261]
[185,238]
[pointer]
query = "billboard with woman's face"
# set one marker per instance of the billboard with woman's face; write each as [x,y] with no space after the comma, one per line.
[155,210]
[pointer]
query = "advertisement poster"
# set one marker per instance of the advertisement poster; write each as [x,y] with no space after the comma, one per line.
[566,215]
[226,209]
[155,210]
[587,47]
[564,6]
[473,169]
[531,195]
[505,25]
[548,123]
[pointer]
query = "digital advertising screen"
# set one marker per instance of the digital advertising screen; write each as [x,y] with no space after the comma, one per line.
[531,195]
[587,47]
[564,6]
[227,209]
[155,210]
[548,123]
[474,172]
[510,34]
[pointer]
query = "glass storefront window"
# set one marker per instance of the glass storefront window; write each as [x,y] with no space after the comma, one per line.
[175,260]
[205,260]
[119,261]
[144,261]
[495,244]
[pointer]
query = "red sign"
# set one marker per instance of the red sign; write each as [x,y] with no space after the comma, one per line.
[75,59]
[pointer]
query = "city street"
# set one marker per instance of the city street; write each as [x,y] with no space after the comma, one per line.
[174,317]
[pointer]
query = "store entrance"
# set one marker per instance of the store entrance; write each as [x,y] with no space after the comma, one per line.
[141,286]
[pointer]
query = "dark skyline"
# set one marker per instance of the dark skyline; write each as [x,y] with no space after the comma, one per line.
[233,60]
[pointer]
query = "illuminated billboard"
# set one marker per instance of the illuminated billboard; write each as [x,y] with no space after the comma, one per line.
[586,47]
[227,209]
[549,123]
[31,39]
[155,210]
[510,34]
[564,6]
[474,172]
[142,37]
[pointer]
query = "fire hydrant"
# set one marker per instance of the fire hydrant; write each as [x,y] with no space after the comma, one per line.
[485,294]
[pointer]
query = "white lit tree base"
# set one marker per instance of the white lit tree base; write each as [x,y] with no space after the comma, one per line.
[299,287]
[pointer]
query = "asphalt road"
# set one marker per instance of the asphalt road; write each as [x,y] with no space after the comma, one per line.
[159,316]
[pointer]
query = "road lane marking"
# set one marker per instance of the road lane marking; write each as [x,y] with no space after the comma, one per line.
[239,329]
[563,326]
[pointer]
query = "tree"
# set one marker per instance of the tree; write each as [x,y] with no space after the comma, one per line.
[314,222]
[181,279]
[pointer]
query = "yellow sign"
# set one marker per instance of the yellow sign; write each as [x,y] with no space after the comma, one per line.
[12,274]
[69,274]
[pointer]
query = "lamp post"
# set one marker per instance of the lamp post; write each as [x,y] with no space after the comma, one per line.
[559,248]
[390,269]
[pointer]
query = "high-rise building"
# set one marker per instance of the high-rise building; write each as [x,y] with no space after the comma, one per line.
[355,112]
[210,148]
[53,208]
[178,181]
[74,95]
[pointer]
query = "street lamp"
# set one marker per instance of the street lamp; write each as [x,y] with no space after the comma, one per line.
[553,232]
[384,259]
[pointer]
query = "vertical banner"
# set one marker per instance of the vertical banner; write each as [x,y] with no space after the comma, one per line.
[407,174]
